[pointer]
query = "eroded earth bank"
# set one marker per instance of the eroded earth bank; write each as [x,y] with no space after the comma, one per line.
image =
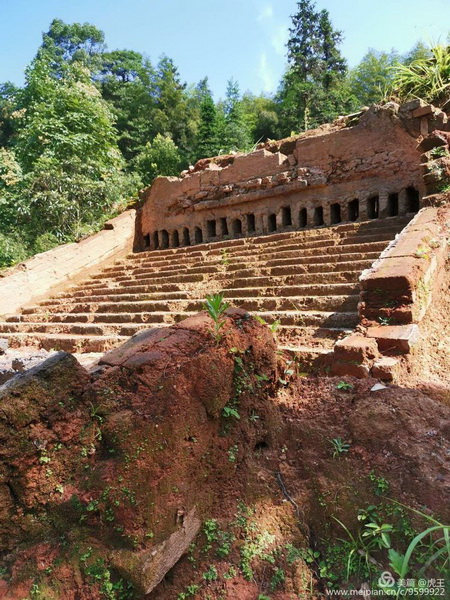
[195,465]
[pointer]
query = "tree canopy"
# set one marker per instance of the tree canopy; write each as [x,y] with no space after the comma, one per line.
[91,126]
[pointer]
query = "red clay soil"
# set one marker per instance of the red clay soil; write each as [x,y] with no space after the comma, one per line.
[95,474]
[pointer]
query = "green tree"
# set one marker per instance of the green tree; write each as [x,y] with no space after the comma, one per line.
[170,114]
[208,134]
[371,80]
[127,84]
[260,114]
[8,93]
[64,43]
[234,134]
[159,157]
[313,89]
[66,145]
[418,52]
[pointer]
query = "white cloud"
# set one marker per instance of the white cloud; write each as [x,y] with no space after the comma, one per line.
[279,38]
[266,12]
[266,74]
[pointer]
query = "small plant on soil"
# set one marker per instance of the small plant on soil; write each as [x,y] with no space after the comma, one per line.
[430,549]
[278,579]
[272,326]
[381,485]
[254,417]
[229,411]
[344,386]
[216,307]
[339,447]
[190,591]
[360,546]
[233,453]
[288,372]
[370,551]
[211,574]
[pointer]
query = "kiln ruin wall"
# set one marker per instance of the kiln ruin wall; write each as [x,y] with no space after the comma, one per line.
[366,166]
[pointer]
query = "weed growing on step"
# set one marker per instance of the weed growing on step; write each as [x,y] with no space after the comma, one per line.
[224,258]
[439,152]
[422,252]
[216,306]
[384,320]
[339,447]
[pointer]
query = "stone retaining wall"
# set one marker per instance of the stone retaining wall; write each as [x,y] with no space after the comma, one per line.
[49,271]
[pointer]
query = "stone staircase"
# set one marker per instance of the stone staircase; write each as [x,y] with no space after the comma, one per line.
[307,280]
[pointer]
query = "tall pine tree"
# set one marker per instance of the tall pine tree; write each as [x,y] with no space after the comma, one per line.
[313,90]
[234,132]
[208,134]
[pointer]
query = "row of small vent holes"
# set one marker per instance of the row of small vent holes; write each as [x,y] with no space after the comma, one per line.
[412,205]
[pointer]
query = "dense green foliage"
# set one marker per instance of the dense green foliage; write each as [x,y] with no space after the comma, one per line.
[90,126]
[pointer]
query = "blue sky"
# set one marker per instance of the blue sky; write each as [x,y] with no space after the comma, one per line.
[243,39]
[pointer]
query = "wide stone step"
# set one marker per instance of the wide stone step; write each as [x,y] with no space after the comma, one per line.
[288,280]
[338,302]
[151,285]
[179,278]
[328,319]
[314,318]
[308,357]
[66,343]
[357,265]
[393,224]
[155,292]
[280,291]
[122,296]
[129,268]
[255,262]
[332,289]
[85,329]
[208,272]
[313,337]
[251,255]
[118,318]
